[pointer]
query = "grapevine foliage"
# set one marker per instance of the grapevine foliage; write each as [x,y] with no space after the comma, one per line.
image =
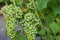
[40,17]
[1,1]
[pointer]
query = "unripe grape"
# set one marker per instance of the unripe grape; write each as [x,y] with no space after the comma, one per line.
[29,24]
[12,12]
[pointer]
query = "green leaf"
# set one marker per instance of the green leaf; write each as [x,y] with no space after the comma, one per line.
[59,2]
[52,3]
[54,27]
[1,1]
[8,1]
[57,37]
[42,32]
[17,2]
[19,36]
[46,38]
[55,6]
[58,18]
[49,19]
[56,10]
[42,4]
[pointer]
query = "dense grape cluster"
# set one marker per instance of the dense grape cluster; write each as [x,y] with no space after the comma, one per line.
[10,26]
[11,14]
[30,23]
[30,5]
[12,10]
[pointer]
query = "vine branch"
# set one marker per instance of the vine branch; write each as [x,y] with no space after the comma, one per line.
[36,13]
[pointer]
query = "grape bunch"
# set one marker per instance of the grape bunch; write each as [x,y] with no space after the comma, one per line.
[10,26]
[29,24]
[13,10]
[30,4]
[11,14]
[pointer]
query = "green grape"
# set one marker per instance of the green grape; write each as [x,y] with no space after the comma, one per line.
[30,5]
[10,26]
[29,24]
[12,13]
[10,9]
[29,16]
[30,31]
[18,12]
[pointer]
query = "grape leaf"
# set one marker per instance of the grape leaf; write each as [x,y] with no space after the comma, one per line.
[56,10]
[52,3]
[41,4]
[58,20]
[49,19]
[42,32]
[1,1]
[55,6]
[19,36]
[54,27]
[17,1]
[59,2]
[58,38]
